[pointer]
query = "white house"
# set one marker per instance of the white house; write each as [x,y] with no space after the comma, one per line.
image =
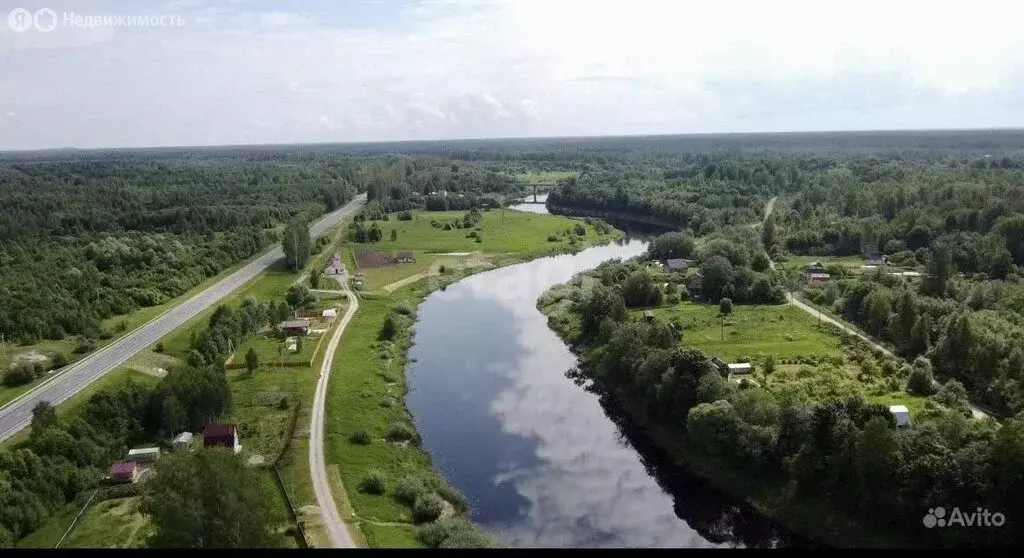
[330,313]
[181,441]
[901,414]
[740,368]
[144,454]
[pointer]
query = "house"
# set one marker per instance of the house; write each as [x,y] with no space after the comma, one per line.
[405,257]
[181,441]
[678,264]
[294,326]
[740,368]
[695,285]
[901,414]
[818,277]
[329,314]
[144,454]
[334,267]
[221,435]
[876,259]
[648,315]
[815,267]
[124,472]
[720,365]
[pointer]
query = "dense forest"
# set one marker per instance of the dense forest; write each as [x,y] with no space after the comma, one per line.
[81,242]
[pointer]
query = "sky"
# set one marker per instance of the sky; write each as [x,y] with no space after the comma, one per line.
[260,71]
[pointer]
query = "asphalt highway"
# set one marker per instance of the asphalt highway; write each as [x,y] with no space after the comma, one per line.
[18,413]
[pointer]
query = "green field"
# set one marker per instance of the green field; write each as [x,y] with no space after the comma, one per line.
[503,231]
[752,331]
[799,262]
[271,350]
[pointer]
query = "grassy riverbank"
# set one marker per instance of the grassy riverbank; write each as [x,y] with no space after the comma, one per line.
[369,430]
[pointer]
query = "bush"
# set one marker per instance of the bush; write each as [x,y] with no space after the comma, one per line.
[404,308]
[447,492]
[84,346]
[408,490]
[552,237]
[283,404]
[58,361]
[19,375]
[459,531]
[373,483]
[442,269]
[400,433]
[360,437]
[428,507]
[159,347]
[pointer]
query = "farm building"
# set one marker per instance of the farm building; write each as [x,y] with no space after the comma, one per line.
[294,326]
[678,264]
[181,441]
[876,259]
[329,314]
[648,315]
[740,368]
[901,414]
[223,435]
[124,472]
[720,365]
[144,454]
[815,267]
[405,257]
[335,267]
[818,277]
[695,285]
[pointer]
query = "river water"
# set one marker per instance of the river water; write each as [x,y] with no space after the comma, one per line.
[543,461]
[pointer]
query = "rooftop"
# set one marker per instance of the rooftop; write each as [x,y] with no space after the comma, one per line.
[898,409]
[294,323]
[122,467]
[138,451]
[221,430]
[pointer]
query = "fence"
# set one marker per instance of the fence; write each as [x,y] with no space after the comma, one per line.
[77,517]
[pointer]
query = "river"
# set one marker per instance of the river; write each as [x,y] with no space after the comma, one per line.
[543,461]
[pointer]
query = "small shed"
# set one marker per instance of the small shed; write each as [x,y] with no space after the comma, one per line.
[876,259]
[405,257]
[695,285]
[901,414]
[678,264]
[124,472]
[330,313]
[181,441]
[740,368]
[648,315]
[294,326]
[818,277]
[814,267]
[720,365]
[222,435]
[144,454]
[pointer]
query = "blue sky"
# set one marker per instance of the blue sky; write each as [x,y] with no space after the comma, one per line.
[259,71]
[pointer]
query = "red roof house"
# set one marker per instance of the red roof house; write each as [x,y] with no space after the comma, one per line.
[124,472]
[221,435]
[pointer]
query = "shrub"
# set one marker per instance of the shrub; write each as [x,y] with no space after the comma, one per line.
[58,361]
[447,492]
[442,269]
[159,347]
[84,346]
[552,237]
[408,490]
[360,437]
[453,533]
[373,483]
[283,404]
[400,432]
[19,375]
[428,507]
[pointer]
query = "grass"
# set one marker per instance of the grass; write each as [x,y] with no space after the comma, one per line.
[117,523]
[263,425]
[506,231]
[267,345]
[752,330]
[353,403]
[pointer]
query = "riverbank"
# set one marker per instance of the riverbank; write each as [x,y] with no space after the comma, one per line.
[769,493]
[382,480]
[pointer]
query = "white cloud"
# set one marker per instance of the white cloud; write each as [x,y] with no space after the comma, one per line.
[467,68]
